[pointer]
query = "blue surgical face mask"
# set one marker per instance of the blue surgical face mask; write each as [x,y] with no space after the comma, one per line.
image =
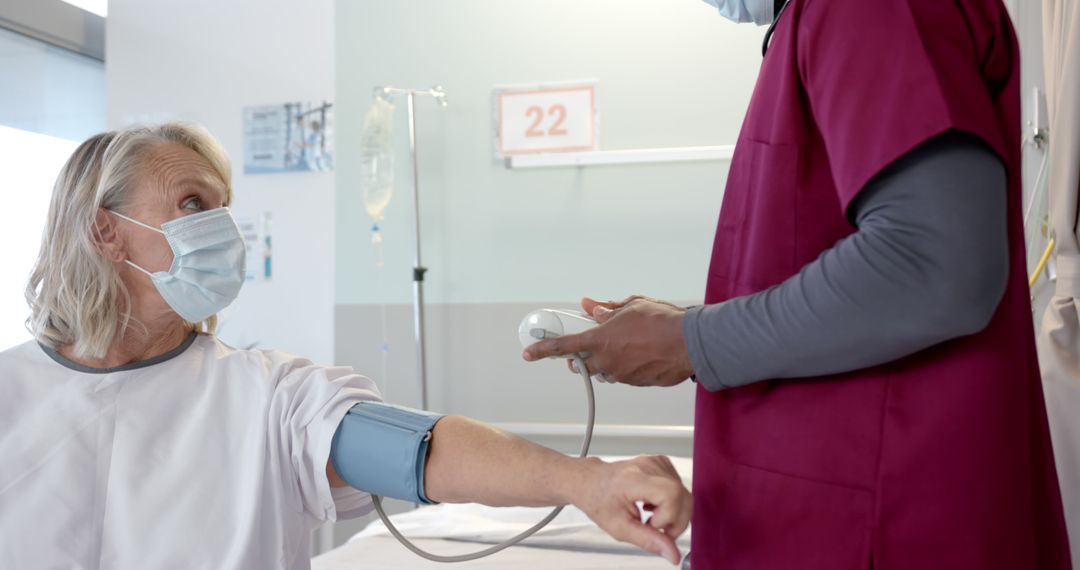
[208,263]
[759,12]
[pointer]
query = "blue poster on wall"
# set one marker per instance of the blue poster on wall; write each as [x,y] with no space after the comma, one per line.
[289,137]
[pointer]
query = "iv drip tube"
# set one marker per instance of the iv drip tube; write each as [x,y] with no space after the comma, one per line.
[418,268]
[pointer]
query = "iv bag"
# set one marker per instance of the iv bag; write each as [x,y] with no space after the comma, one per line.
[377,158]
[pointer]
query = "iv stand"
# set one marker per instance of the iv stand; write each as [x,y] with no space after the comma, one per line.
[418,268]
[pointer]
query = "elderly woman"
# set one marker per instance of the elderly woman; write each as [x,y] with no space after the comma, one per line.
[132,437]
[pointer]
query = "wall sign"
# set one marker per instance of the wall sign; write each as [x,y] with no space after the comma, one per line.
[552,117]
[288,137]
[258,257]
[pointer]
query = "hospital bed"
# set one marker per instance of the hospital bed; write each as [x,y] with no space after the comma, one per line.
[385,553]
[570,542]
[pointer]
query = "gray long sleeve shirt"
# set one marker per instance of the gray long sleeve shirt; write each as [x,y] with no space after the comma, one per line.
[928,263]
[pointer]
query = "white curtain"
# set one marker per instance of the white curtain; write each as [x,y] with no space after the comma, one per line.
[1059,334]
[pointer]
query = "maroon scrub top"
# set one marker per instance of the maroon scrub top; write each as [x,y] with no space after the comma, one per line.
[938,460]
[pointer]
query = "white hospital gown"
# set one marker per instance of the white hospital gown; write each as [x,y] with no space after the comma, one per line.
[208,457]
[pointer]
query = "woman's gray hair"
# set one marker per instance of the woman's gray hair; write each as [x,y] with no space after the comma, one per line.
[75,294]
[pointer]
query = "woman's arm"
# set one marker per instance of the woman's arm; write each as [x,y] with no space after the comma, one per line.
[469,461]
[473,462]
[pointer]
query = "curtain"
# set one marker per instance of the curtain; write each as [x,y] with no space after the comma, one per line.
[1059,332]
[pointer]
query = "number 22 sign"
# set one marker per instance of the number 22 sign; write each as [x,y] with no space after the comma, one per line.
[546,118]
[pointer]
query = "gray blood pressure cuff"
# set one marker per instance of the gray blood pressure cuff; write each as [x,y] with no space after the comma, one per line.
[381,449]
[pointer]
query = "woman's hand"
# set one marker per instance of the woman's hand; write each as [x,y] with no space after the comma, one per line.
[639,341]
[609,496]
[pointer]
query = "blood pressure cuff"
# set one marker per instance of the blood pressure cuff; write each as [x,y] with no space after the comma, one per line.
[381,449]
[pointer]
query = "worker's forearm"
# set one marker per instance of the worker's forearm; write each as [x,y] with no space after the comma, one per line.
[469,461]
[929,263]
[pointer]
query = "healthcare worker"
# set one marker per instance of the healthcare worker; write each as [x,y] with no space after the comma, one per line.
[868,393]
[131,437]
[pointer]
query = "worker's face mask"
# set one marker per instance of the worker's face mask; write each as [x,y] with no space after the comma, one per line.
[759,12]
[208,263]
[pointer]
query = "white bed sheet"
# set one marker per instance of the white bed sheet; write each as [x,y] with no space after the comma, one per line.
[384,553]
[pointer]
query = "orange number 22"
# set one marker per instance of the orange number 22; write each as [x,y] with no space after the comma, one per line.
[537,113]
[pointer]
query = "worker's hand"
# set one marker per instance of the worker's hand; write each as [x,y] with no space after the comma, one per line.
[609,497]
[590,305]
[639,341]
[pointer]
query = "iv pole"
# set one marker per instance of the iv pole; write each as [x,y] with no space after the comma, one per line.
[418,268]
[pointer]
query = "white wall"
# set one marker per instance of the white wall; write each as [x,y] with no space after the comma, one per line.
[671,72]
[204,60]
